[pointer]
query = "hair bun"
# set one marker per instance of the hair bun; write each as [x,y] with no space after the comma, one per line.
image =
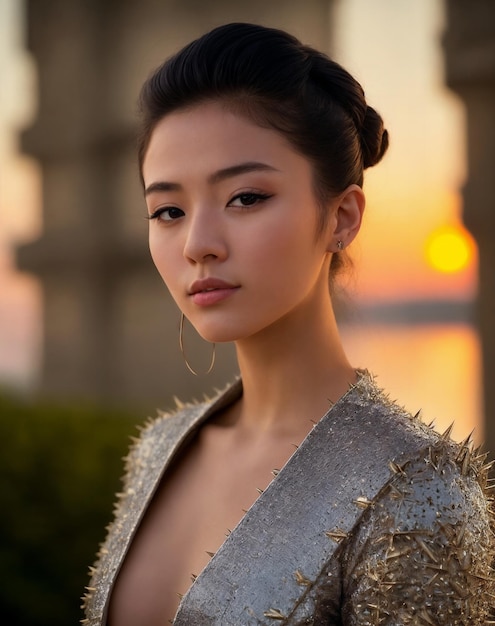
[346,91]
[374,138]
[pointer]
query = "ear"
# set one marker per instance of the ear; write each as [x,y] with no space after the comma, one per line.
[346,222]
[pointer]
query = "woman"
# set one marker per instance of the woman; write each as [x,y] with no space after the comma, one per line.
[252,155]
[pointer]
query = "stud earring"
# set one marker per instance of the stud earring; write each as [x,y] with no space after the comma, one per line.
[181,344]
[340,245]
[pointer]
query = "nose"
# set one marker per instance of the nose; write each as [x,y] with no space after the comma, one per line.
[205,238]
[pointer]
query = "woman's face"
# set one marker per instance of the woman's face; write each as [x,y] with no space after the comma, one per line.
[234,223]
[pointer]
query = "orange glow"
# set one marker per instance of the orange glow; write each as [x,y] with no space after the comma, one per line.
[389,254]
[417,364]
[450,249]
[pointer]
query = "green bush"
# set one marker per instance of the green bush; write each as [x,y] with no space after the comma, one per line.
[59,471]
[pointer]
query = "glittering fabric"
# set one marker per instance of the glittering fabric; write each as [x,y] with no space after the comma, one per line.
[374,521]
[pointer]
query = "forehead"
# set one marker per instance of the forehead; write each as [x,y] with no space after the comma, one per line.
[213,136]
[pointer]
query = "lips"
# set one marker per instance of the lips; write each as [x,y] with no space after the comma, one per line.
[208,291]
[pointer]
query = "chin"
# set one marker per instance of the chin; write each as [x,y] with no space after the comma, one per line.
[221,333]
[218,337]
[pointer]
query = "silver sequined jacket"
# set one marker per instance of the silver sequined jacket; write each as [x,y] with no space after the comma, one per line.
[374,521]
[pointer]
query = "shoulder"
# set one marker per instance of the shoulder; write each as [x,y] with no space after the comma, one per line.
[159,437]
[165,426]
[148,456]
[425,546]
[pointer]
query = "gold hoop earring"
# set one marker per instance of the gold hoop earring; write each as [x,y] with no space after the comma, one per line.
[181,344]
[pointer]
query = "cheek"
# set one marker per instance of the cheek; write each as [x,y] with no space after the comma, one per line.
[163,257]
[287,261]
[285,242]
[155,251]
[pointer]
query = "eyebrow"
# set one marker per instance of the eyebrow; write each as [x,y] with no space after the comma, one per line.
[242,168]
[216,177]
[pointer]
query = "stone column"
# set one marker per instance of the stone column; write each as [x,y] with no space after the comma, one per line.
[470,63]
[110,328]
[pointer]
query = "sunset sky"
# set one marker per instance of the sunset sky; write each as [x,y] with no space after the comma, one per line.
[394,48]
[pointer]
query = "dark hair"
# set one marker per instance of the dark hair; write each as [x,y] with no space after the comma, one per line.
[275,80]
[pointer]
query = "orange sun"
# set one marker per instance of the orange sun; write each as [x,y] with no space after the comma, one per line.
[450,249]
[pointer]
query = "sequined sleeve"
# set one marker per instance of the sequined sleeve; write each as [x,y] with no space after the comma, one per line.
[422,553]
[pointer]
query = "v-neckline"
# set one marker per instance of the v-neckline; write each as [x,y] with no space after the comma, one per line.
[265,494]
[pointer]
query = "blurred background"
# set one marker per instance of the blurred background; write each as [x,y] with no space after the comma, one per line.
[88,333]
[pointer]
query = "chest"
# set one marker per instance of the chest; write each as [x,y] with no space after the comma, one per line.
[199,501]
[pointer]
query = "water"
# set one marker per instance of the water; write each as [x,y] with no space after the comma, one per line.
[435,368]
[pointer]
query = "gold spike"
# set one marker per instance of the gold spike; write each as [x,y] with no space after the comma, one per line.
[446,434]
[260,491]
[337,535]
[464,560]
[465,462]
[449,532]
[477,450]
[433,457]
[461,591]
[426,618]
[413,532]
[432,579]
[461,454]
[178,402]
[468,441]
[362,502]
[301,579]
[193,577]
[398,553]
[396,469]
[485,578]
[478,456]
[275,472]
[426,549]
[274,614]
[210,554]
[227,534]
[383,538]
[181,595]
[395,493]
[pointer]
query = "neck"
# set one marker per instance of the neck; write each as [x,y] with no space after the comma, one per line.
[294,372]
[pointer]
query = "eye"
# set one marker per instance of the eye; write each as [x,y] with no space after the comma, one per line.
[248,199]
[167,214]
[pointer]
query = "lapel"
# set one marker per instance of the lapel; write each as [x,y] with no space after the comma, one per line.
[148,460]
[293,528]
[262,572]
